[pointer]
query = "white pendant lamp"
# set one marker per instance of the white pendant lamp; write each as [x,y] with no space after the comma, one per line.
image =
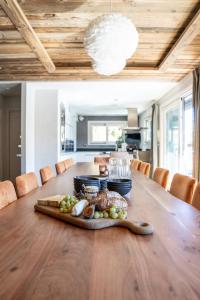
[110,40]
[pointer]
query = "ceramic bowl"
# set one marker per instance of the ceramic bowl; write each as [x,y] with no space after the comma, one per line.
[81,181]
[121,186]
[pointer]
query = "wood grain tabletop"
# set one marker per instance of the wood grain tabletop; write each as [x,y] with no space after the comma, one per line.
[44,258]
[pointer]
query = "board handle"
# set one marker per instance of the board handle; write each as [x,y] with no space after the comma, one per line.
[142,228]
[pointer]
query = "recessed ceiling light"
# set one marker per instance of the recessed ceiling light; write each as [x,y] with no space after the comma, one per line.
[116,100]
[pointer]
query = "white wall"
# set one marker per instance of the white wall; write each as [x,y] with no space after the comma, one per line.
[46,128]
[178,91]
[41,124]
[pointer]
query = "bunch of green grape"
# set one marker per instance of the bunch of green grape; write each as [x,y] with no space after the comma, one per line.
[67,203]
[113,212]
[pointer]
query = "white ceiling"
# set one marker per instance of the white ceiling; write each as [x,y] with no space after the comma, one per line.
[113,97]
[108,97]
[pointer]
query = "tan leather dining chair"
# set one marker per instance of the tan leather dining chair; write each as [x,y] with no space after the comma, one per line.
[60,167]
[68,163]
[144,168]
[182,187]
[101,160]
[135,164]
[46,174]
[161,176]
[7,193]
[26,183]
[196,197]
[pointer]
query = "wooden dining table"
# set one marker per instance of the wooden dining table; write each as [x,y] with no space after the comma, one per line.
[44,258]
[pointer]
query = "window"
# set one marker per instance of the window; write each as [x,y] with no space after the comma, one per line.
[187,140]
[178,136]
[100,132]
[114,132]
[172,145]
[147,132]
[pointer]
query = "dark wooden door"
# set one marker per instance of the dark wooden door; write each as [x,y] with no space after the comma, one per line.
[14,142]
[11,131]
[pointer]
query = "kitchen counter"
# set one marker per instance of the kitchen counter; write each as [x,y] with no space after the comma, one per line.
[96,149]
[84,156]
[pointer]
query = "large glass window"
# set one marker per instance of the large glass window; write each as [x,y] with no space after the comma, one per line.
[104,132]
[98,133]
[178,136]
[147,131]
[187,136]
[172,145]
[114,132]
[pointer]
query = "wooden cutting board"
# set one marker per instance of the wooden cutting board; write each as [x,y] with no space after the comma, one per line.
[135,227]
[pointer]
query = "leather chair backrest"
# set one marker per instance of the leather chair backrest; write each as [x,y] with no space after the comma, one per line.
[26,183]
[60,167]
[7,193]
[182,187]
[46,174]
[161,176]
[196,197]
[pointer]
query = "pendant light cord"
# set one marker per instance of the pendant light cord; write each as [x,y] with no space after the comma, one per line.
[110,6]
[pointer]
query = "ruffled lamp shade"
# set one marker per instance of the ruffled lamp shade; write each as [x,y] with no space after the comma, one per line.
[110,40]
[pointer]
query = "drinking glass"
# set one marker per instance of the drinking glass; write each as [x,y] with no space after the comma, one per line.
[113,168]
[124,168]
[119,168]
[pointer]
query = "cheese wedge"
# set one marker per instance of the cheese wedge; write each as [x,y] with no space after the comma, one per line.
[53,201]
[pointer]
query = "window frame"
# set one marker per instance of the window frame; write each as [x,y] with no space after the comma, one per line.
[164,108]
[147,140]
[122,124]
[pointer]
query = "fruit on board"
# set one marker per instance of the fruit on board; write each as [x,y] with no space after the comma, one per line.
[88,211]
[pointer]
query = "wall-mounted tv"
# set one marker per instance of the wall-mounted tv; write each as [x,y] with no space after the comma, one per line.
[133,139]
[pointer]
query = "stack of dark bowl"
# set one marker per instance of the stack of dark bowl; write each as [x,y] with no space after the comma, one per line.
[121,186]
[80,181]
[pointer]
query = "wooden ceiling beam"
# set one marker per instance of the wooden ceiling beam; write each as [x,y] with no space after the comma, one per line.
[56,77]
[18,18]
[89,71]
[187,36]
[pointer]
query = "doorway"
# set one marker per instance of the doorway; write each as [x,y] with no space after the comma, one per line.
[10,120]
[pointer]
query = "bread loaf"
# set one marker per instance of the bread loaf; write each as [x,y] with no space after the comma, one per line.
[106,199]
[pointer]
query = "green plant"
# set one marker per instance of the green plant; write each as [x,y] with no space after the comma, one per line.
[119,141]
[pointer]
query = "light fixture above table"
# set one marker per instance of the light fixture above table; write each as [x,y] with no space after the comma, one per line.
[110,40]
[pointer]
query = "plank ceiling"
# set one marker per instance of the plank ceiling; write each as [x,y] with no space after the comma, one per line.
[60,26]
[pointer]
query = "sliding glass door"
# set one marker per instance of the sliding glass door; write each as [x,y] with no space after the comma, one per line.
[172,142]
[177,138]
[187,136]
